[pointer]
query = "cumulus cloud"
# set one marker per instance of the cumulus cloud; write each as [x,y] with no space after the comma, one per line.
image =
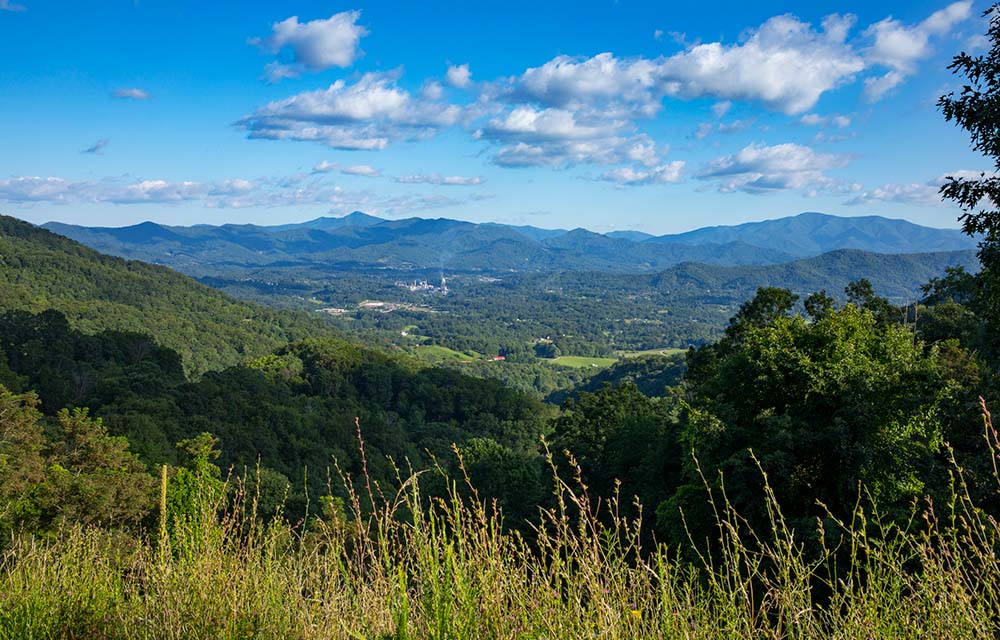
[434,178]
[97,148]
[760,169]
[131,93]
[571,82]
[900,47]
[368,114]
[558,138]
[575,110]
[628,176]
[314,46]
[572,110]
[528,124]
[458,76]
[786,64]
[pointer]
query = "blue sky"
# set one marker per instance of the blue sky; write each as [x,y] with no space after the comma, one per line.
[606,115]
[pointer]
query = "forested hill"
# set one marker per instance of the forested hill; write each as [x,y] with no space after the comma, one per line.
[40,270]
[895,276]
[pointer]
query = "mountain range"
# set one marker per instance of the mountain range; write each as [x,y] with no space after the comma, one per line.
[359,241]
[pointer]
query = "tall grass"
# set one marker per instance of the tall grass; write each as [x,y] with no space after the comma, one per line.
[418,568]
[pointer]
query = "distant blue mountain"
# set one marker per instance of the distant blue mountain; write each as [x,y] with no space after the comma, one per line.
[634,236]
[810,234]
[355,219]
[535,233]
[359,241]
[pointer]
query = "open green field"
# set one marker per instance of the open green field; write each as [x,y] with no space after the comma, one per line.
[581,361]
[664,351]
[437,353]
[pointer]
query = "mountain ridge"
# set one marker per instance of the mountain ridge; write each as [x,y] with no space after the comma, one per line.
[360,241]
[812,233]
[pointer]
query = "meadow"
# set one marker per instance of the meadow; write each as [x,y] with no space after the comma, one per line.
[451,569]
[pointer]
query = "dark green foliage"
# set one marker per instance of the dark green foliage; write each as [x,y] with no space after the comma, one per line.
[825,405]
[294,410]
[93,478]
[514,478]
[40,271]
[22,463]
[619,434]
[819,305]
[862,294]
[652,375]
[74,474]
[976,109]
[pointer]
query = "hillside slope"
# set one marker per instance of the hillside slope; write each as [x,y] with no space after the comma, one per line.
[40,270]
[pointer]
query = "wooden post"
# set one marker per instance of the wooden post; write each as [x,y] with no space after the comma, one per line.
[163,508]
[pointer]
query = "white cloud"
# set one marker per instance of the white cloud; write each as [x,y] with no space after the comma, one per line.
[159,191]
[315,45]
[368,114]
[36,189]
[758,169]
[558,138]
[431,90]
[816,120]
[785,64]
[288,191]
[915,193]
[900,47]
[924,194]
[602,83]
[573,110]
[364,170]
[720,109]
[434,178]
[131,93]
[877,87]
[531,125]
[7,5]
[275,72]
[555,138]
[458,76]
[657,34]
[706,129]
[627,176]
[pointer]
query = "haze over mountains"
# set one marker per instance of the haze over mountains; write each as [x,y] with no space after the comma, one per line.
[359,242]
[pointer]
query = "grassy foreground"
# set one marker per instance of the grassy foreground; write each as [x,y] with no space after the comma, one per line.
[450,571]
